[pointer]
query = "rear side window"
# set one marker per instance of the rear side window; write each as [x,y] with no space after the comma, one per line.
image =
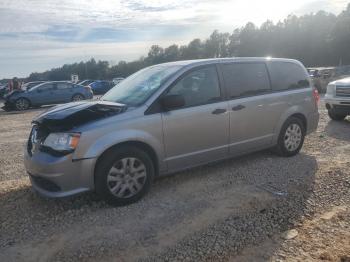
[286,75]
[245,79]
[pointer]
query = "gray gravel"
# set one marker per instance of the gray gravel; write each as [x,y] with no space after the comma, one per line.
[209,213]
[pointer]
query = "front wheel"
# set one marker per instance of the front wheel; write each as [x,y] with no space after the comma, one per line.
[291,137]
[124,175]
[22,104]
[335,116]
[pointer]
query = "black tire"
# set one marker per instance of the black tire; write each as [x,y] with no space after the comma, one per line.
[22,104]
[281,148]
[335,116]
[110,159]
[77,97]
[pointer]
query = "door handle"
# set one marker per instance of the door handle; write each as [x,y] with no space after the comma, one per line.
[219,111]
[237,108]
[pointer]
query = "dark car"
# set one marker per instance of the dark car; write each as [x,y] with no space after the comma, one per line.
[30,85]
[101,86]
[3,90]
[46,94]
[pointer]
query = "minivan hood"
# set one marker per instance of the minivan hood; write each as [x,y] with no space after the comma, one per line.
[71,115]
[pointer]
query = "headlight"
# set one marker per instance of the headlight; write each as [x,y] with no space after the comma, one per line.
[62,141]
[331,89]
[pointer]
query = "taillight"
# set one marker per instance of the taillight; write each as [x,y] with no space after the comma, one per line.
[316,95]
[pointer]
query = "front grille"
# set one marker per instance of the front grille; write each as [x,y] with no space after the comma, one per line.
[45,184]
[343,91]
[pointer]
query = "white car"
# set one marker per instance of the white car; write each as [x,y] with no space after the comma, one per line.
[337,99]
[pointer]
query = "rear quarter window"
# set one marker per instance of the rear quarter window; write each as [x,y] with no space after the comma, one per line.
[287,76]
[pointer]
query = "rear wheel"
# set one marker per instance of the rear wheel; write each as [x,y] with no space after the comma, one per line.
[124,175]
[335,116]
[77,97]
[291,137]
[22,104]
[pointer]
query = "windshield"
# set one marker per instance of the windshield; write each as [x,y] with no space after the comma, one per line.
[137,88]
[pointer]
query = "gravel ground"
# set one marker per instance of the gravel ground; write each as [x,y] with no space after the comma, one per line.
[258,207]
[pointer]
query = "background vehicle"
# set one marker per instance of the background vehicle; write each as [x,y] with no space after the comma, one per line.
[101,86]
[322,76]
[29,85]
[3,90]
[170,117]
[117,80]
[86,82]
[47,93]
[337,99]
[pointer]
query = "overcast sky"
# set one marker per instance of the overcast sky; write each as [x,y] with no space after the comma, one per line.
[36,35]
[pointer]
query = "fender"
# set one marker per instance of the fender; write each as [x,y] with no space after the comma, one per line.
[101,144]
[296,109]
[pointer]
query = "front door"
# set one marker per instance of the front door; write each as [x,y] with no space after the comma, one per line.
[43,94]
[198,132]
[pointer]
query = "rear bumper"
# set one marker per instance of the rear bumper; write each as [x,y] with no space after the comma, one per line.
[312,122]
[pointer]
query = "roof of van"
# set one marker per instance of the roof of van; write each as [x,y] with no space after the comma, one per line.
[233,59]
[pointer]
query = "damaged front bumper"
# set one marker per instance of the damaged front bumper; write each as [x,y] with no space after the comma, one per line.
[62,176]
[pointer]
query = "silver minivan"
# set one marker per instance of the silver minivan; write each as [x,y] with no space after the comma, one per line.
[170,117]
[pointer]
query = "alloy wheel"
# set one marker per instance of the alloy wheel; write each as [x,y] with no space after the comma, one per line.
[126,177]
[22,104]
[292,137]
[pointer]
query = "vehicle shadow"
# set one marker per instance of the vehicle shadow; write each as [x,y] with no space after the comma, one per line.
[339,129]
[242,200]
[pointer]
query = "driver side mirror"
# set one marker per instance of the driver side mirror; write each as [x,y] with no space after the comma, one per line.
[170,102]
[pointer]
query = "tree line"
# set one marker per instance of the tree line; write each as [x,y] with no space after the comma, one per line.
[320,39]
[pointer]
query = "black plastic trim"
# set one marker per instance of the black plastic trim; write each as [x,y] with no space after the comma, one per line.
[45,183]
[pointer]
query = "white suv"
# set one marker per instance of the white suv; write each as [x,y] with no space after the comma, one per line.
[337,99]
